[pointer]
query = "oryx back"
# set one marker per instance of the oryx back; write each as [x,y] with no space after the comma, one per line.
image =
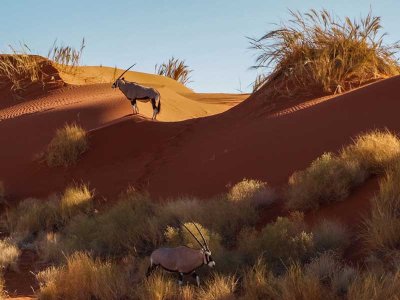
[180,259]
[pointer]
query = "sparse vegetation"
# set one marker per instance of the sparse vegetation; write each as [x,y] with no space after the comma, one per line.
[76,199]
[69,143]
[66,58]
[255,192]
[8,255]
[84,278]
[330,236]
[331,177]
[318,53]
[175,69]
[2,287]
[218,287]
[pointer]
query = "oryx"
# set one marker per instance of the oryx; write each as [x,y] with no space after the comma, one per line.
[136,92]
[182,260]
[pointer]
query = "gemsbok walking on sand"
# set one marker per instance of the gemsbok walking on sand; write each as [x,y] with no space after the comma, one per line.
[182,260]
[136,92]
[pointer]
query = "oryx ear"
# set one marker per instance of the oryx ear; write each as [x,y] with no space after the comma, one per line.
[123,78]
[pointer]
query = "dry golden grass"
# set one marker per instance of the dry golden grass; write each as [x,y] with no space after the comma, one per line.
[330,236]
[332,177]
[66,58]
[9,254]
[382,226]
[219,287]
[3,293]
[374,151]
[84,278]
[374,286]
[33,215]
[175,69]
[69,143]
[259,283]
[19,70]
[76,199]
[158,287]
[255,192]
[317,52]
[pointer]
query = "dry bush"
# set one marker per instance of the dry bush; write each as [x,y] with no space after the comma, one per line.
[330,235]
[218,288]
[9,254]
[33,215]
[382,226]
[255,192]
[175,69]
[76,199]
[329,178]
[296,284]
[184,209]
[375,151]
[259,82]
[284,241]
[317,52]
[342,280]
[69,143]
[259,283]
[131,226]
[370,285]
[84,278]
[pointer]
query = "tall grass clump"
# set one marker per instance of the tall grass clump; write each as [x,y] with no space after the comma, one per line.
[3,293]
[317,52]
[218,287]
[382,226]
[68,144]
[84,278]
[9,254]
[19,70]
[76,199]
[175,69]
[332,177]
[66,58]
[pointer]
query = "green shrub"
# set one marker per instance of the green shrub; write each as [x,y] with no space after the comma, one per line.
[69,143]
[329,178]
[281,242]
[318,53]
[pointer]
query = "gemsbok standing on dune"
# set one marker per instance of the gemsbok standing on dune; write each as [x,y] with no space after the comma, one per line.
[182,260]
[136,92]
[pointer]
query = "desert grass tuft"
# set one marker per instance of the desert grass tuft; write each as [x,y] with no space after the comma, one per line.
[382,226]
[66,58]
[317,52]
[69,143]
[175,69]
[84,278]
[9,254]
[157,287]
[76,199]
[218,287]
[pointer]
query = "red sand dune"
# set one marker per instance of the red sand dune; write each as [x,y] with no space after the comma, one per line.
[199,156]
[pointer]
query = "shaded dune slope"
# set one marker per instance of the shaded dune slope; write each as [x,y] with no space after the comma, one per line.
[201,156]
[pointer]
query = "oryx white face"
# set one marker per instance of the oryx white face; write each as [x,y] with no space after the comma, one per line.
[208,260]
